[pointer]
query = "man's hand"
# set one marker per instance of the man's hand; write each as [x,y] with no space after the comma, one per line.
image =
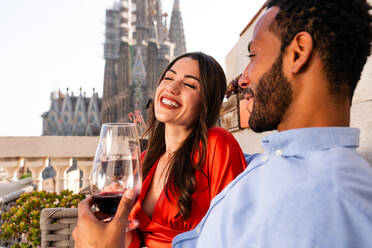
[91,232]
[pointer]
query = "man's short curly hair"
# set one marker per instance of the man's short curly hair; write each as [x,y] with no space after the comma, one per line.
[341,32]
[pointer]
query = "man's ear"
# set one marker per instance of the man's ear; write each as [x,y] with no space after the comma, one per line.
[301,48]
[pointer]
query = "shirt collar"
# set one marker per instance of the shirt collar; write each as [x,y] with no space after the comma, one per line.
[299,141]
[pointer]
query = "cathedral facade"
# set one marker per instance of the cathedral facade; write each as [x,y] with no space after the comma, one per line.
[138,46]
[70,115]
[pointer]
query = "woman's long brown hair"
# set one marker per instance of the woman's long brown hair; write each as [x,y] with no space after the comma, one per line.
[181,182]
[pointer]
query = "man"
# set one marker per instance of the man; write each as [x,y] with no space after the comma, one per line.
[309,188]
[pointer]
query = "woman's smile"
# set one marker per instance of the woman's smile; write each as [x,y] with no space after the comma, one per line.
[167,102]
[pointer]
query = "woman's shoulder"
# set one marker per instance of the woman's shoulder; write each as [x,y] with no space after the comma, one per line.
[220,133]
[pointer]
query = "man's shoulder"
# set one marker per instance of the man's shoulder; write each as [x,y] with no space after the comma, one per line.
[337,170]
[343,168]
[352,177]
[338,179]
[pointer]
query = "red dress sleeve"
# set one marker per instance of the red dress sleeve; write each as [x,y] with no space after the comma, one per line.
[225,159]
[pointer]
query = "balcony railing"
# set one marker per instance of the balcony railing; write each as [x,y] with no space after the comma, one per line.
[37,153]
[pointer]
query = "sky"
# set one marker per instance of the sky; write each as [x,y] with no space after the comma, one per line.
[50,45]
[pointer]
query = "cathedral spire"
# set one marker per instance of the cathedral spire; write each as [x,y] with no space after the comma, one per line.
[159,20]
[127,18]
[139,82]
[142,22]
[154,31]
[176,32]
[139,70]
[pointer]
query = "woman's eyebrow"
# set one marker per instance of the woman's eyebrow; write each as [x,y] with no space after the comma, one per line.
[186,76]
[193,77]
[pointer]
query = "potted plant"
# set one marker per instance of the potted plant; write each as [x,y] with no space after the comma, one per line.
[22,221]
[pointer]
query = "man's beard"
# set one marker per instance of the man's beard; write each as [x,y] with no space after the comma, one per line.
[272,97]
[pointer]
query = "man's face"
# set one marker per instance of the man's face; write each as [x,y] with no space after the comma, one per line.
[272,97]
[268,88]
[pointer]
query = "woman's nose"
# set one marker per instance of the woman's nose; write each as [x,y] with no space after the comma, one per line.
[174,87]
[243,80]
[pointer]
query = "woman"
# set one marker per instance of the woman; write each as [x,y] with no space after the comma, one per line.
[188,161]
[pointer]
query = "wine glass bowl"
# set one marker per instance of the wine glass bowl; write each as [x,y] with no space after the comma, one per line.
[116,166]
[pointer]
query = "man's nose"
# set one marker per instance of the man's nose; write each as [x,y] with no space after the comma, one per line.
[243,80]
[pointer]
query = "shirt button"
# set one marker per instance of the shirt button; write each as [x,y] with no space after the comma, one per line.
[279,153]
[198,230]
[264,158]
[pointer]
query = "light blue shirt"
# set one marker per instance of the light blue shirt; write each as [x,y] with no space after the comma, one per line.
[309,188]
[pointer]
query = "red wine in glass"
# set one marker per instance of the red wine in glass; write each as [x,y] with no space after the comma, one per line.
[107,202]
[108,199]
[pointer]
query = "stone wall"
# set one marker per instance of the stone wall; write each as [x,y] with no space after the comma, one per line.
[48,146]
[361,111]
[59,153]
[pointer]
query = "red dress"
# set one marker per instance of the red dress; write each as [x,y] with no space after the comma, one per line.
[224,161]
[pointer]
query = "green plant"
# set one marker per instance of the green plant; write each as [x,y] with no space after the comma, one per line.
[25,175]
[22,220]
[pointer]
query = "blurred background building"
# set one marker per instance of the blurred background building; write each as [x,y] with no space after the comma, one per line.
[138,46]
[70,115]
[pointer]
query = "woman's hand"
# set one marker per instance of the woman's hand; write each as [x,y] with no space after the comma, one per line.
[115,187]
[91,232]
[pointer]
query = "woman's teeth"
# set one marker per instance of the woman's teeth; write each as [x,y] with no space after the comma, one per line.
[169,102]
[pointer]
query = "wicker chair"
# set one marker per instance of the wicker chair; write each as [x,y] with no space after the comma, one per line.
[56,225]
[9,193]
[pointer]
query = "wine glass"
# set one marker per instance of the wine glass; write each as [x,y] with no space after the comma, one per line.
[116,167]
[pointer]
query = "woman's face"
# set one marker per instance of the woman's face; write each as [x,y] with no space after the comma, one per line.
[177,97]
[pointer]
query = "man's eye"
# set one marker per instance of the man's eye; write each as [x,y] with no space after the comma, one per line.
[168,78]
[190,85]
[251,55]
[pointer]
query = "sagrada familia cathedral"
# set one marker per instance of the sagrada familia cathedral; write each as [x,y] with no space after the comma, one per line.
[138,46]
